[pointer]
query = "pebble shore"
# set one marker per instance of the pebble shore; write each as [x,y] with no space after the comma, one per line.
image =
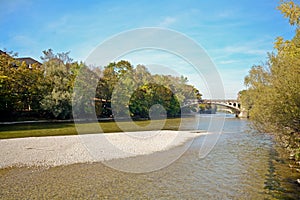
[66,150]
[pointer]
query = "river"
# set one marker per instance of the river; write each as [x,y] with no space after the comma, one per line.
[243,165]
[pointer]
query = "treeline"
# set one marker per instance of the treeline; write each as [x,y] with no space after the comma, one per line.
[45,90]
[273,90]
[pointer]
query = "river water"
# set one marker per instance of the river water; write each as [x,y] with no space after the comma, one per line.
[242,165]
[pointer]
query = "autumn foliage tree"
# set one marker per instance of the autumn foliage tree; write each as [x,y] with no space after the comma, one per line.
[273,92]
[19,84]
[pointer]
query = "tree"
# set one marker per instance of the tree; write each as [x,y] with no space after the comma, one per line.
[273,94]
[134,92]
[19,84]
[59,78]
[26,86]
[167,91]
[291,11]
[110,77]
[83,100]
[6,73]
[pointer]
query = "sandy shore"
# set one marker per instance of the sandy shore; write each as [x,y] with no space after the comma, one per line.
[65,150]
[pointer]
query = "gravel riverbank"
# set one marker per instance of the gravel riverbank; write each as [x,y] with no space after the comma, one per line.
[65,150]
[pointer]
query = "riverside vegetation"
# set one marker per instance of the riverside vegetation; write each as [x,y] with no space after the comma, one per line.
[273,93]
[46,91]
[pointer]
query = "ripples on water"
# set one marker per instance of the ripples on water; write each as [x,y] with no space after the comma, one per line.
[237,168]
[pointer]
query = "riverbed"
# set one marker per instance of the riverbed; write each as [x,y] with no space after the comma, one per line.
[242,165]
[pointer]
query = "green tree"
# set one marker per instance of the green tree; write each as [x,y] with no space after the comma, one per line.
[135,92]
[110,77]
[168,91]
[60,73]
[151,95]
[84,102]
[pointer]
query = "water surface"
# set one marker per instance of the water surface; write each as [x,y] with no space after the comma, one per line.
[243,165]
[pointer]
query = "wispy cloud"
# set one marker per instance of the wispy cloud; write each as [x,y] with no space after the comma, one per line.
[225,14]
[225,62]
[167,21]
[244,50]
[255,47]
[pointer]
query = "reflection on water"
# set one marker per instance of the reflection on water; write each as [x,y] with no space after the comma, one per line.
[239,167]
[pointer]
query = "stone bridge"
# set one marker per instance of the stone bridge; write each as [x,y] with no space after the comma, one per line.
[231,104]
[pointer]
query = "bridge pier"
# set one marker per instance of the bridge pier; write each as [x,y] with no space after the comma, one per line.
[243,114]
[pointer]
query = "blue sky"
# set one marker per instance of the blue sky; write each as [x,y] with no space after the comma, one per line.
[236,34]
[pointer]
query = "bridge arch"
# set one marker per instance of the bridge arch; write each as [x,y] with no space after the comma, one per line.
[231,104]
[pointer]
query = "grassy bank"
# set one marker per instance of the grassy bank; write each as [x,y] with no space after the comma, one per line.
[55,129]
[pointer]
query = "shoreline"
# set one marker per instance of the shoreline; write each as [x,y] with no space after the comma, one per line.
[52,151]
